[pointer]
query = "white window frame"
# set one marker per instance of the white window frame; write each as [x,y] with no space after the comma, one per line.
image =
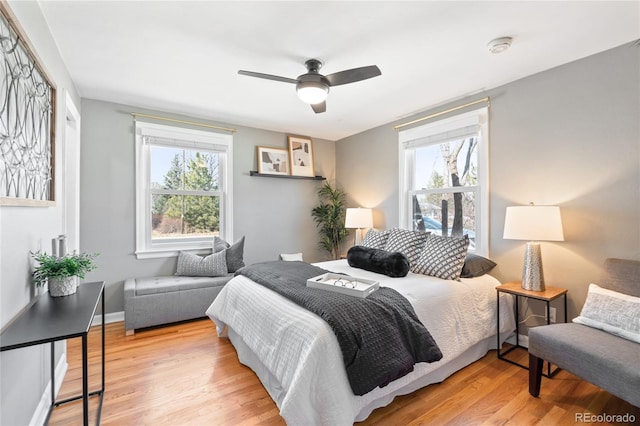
[474,122]
[222,144]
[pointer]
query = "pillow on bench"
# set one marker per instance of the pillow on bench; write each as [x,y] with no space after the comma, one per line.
[193,265]
[613,312]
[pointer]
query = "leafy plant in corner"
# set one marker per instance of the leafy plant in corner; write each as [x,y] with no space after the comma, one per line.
[50,266]
[329,217]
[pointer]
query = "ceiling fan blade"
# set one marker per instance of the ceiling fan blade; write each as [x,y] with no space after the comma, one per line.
[318,108]
[268,76]
[353,75]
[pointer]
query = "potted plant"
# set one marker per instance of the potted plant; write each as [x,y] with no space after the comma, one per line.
[329,217]
[62,273]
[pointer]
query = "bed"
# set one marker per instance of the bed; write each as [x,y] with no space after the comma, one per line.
[298,360]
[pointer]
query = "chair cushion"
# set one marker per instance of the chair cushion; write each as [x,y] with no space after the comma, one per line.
[155,285]
[603,359]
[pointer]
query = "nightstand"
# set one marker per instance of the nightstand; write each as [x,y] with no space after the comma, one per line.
[549,294]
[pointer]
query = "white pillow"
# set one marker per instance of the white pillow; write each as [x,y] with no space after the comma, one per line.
[613,312]
[291,257]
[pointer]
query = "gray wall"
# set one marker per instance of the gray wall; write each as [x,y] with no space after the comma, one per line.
[569,137]
[273,214]
[24,373]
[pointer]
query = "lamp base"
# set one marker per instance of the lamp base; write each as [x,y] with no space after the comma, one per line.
[532,275]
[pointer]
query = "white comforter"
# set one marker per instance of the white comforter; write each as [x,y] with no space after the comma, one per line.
[298,359]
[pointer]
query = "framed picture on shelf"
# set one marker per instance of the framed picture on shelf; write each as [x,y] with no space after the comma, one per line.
[273,161]
[301,156]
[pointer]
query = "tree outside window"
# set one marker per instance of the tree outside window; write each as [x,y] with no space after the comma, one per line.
[186,203]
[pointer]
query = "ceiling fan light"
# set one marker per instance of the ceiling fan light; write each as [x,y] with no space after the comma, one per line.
[312,92]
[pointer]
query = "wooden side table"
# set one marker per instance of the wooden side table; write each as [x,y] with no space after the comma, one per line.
[549,294]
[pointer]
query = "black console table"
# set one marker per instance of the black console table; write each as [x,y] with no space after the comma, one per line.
[50,319]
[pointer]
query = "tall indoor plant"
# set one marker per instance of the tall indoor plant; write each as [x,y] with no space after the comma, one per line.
[329,217]
[62,273]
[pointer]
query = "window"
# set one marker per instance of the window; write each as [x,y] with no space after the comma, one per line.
[183,189]
[444,178]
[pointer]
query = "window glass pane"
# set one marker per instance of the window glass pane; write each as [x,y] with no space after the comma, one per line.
[445,165]
[166,167]
[448,214]
[178,216]
[177,168]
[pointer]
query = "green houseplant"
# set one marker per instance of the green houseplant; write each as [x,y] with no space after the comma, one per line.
[62,273]
[329,217]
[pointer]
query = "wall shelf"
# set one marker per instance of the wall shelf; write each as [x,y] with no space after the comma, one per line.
[254,173]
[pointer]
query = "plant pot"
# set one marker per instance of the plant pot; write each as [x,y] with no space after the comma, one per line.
[63,286]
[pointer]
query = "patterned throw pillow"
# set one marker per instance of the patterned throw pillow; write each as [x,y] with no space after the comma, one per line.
[192,265]
[613,312]
[375,239]
[442,257]
[407,242]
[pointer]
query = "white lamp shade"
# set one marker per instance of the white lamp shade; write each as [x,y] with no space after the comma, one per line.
[359,218]
[533,223]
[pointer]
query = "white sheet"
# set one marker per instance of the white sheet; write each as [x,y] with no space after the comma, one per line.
[301,362]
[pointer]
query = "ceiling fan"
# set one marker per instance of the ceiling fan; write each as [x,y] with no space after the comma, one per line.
[313,87]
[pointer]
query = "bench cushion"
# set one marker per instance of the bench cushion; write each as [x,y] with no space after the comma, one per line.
[167,284]
[598,357]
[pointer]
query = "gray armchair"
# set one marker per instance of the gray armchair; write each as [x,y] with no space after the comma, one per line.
[608,361]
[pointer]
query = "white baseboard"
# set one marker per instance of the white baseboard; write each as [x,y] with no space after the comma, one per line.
[109,318]
[40,415]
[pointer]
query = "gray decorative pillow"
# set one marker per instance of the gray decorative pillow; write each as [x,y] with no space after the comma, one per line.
[219,244]
[407,242]
[476,266]
[235,255]
[442,257]
[192,265]
[375,239]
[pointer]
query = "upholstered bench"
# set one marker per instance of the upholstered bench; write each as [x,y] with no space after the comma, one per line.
[597,356]
[162,300]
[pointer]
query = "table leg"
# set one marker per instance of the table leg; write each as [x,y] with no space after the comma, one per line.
[498,320]
[85,381]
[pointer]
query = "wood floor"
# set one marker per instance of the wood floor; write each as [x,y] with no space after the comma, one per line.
[185,375]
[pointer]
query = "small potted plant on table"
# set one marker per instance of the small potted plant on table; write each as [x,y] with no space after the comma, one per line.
[62,273]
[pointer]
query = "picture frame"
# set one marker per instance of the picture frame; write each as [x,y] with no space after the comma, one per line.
[27,161]
[273,161]
[301,156]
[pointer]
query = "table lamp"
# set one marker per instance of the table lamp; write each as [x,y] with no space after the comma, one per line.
[533,223]
[358,218]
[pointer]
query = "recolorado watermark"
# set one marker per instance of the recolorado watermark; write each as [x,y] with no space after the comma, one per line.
[605,418]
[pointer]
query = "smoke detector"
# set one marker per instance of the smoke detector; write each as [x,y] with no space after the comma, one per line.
[499,44]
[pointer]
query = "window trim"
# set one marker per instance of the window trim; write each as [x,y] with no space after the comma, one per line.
[437,132]
[191,139]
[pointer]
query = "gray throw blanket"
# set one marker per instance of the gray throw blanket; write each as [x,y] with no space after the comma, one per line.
[380,336]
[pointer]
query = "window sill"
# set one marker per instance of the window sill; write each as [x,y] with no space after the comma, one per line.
[169,252]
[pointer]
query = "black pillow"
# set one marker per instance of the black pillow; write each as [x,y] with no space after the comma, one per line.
[391,263]
[476,266]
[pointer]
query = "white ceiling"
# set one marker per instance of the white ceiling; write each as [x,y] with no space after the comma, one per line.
[182,57]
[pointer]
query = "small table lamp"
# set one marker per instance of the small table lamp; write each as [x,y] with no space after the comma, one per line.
[358,218]
[533,223]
